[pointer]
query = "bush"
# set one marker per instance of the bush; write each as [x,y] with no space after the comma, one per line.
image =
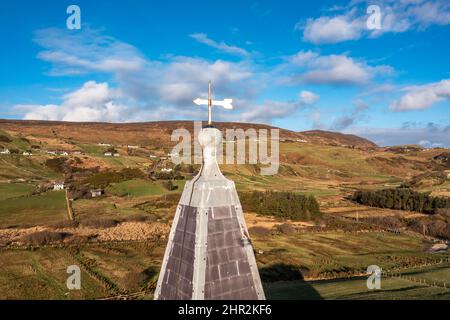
[103,179]
[100,223]
[5,139]
[168,185]
[63,224]
[138,218]
[137,280]
[286,205]
[259,231]
[286,228]
[44,237]
[57,164]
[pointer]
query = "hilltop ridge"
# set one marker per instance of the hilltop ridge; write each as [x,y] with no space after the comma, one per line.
[161,130]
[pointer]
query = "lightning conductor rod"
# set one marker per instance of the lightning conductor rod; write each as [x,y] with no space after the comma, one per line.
[209,104]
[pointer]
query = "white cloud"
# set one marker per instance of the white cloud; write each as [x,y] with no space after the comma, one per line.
[349,120]
[396,17]
[423,97]
[87,51]
[430,135]
[268,111]
[169,83]
[221,46]
[308,97]
[92,102]
[333,69]
[331,29]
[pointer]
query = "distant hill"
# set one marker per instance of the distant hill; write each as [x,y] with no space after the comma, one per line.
[336,138]
[161,131]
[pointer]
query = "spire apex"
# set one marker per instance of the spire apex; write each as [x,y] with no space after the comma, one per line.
[226,103]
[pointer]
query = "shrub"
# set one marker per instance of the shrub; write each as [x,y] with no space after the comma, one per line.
[5,139]
[138,218]
[100,223]
[63,224]
[168,185]
[103,179]
[44,237]
[286,228]
[137,280]
[57,164]
[259,231]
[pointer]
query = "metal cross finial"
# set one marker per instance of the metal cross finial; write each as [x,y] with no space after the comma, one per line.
[226,103]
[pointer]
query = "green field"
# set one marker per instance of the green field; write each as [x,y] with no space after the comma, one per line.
[107,269]
[45,208]
[18,166]
[356,288]
[140,188]
[338,254]
[136,188]
[41,274]
[14,190]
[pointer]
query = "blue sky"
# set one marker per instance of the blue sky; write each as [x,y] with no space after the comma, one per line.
[293,64]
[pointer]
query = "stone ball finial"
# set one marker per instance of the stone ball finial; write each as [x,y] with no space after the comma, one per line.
[210,137]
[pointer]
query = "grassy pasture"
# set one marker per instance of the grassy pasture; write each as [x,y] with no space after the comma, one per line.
[45,208]
[356,289]
[339,253]
[140,188]
[18,166]
[41,274]
[14,190]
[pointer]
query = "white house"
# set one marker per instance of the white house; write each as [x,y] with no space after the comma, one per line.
[152,156]
[447,172]
[132,147]
[58,186]
[26,153]
[116,155]
[6,151]
[166,170]
[108,154]
[96,193]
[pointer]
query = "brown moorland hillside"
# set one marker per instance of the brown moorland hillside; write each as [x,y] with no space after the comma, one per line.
[121,133]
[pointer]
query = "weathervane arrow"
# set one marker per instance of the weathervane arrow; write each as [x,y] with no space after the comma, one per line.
[226,103]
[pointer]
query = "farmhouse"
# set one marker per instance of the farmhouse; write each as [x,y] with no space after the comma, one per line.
[26,153]
[96,193]
[6,151]
[58,186]
[108,154]
[166,170]
[447,173]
